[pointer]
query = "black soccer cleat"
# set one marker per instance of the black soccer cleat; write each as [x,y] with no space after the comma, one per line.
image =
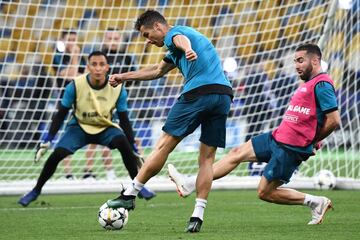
[123,201]
[194,225]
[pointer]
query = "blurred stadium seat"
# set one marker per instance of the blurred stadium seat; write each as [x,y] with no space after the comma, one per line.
[269,34]
[315,18]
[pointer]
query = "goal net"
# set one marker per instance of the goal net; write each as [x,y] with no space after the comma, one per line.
[255,40]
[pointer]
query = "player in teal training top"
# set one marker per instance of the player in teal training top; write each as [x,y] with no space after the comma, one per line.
[204,101]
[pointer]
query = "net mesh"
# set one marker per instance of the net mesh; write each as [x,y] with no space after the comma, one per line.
[255,40]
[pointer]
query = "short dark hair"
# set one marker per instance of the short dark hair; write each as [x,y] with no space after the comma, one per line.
[67,31]
[310,48]
[148,19]
[98,53]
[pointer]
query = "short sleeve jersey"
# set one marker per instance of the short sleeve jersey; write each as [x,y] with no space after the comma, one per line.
[206,69]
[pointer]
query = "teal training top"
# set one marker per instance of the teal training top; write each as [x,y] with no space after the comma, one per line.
[206,69]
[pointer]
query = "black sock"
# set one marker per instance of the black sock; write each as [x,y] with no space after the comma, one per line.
[50,167]
[122,144]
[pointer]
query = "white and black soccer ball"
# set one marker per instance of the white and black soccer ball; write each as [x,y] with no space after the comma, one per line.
[112,218]
[325,180]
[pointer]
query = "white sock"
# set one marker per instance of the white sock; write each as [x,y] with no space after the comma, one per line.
[134,188]
[311,200]
[200,206]
[110,174]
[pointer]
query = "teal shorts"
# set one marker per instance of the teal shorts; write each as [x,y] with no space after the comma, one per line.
[210,111]
[75,137]
[281,162]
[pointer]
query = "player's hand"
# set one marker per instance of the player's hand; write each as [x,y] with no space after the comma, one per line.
[115,80]
[41,150]
[190,55]
[316,147]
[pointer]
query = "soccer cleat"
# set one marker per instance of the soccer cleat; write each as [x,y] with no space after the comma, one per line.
[318,213]
[28,198]
[146,194]
[123,201]
[89,175]
[69,177]
[183,188]
[194,225]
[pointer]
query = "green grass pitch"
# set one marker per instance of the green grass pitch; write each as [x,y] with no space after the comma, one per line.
[229,215]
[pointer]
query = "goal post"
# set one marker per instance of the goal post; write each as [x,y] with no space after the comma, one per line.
[255,40]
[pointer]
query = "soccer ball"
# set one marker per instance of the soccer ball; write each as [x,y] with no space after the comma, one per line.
[324,180]
[113,219]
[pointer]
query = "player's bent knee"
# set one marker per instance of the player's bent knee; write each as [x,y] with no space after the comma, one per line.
[61,153]
[264,195]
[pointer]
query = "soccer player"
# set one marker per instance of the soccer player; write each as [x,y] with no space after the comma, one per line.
[119,62]
[205,100]
[92,101]
[310,117]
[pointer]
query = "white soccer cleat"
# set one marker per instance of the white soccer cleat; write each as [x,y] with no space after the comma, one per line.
[318,213]
[183,187]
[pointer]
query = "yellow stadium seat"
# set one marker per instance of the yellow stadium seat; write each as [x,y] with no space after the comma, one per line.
[89,36]
[6,45]
[71,11]
[152,58]
[336,74]
[9,7]
[268,9]
[69,23]
[23,48]
[340,15]
[200,16]
[353,46]
[353,53]
[269,31]
[224,30]
[152,4]
[270,66]
[336,43]
[33,8]
[46,52]
[208,32]
[315,19]
[247,40]
[292,30]
[136,46]
[130,15]
[110,23]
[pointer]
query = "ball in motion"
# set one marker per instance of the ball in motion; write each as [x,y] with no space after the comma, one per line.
[324,180]
[113,218]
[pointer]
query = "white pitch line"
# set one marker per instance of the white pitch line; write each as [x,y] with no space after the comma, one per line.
[45,208]
[147,205]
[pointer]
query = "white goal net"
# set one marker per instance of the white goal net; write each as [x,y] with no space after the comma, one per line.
[255,40]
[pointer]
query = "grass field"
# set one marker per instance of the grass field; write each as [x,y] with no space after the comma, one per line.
[229,215]
[18,165]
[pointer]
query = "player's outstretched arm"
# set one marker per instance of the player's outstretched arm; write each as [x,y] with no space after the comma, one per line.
[147,73]
[56,123]
[183,43]
[331,122]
